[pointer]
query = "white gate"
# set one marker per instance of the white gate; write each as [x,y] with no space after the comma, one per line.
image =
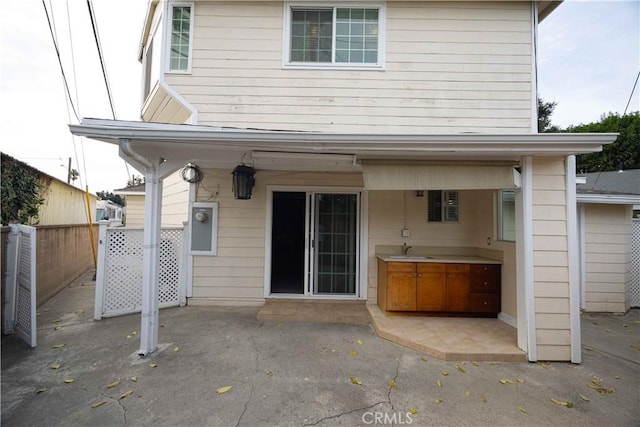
[20,298]
[634,288]
[119,273]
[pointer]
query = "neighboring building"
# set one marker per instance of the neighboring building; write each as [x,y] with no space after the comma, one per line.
[607,204]
[108,211]
[63,203]
[348,113]
[134,205]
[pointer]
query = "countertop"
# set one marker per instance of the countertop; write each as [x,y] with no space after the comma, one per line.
[458,259]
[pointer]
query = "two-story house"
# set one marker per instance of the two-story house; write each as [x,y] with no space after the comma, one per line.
[323,139]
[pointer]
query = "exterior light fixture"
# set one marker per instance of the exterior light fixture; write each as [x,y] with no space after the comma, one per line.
[243,182]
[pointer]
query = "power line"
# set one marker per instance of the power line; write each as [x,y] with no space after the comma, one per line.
[631,95]
[104,69]
[64,77]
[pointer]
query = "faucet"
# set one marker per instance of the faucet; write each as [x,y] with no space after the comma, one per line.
[406,249]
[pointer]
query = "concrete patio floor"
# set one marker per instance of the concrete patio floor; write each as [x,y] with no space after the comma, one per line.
[297,374]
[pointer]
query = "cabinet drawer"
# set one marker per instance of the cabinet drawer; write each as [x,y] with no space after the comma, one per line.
[486,268]
[401,266]
[485,283]
[430,267]
[484,303]
[457,268]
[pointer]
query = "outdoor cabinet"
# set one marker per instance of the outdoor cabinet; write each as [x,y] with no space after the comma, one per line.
[439,287]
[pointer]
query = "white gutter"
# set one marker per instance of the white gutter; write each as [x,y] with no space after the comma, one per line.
[612,199]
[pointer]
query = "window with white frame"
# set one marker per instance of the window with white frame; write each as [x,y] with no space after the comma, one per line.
[507,215]
[442,206]
[334,36]
[180,41]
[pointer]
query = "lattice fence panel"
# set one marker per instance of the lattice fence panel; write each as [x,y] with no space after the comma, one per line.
[123,272]
[634,289]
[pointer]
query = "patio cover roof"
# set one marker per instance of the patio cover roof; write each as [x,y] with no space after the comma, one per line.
[213,146]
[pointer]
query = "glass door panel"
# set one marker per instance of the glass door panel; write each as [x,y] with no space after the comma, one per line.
[335,229]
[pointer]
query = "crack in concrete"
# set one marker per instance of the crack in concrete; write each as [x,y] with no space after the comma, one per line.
[395,377]
[256,363]
[246,405]
[331,417]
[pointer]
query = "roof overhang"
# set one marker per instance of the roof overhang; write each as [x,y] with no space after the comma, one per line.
[545,7]
[211,146]
[609,199]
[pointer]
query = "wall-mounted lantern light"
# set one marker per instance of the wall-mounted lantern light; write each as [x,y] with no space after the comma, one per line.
[243,181]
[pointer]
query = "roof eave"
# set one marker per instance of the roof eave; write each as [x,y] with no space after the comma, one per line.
[611,199]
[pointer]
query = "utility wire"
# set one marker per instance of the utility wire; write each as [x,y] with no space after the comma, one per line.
[64,77]
[631,95]
[104,69]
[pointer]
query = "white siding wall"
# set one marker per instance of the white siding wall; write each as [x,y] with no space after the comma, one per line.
[175,201]
[236,274]
[64,204]
[607,251]
[450,67]
[550,259]
[135,211]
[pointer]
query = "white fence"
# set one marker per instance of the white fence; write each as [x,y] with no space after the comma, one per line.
[119,273]
[634,288]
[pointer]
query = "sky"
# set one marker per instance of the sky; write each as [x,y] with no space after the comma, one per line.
[589,57]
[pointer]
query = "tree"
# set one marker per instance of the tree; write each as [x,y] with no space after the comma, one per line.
[135,180]
[624,153]
[545,110]
[21,190]
[107,195]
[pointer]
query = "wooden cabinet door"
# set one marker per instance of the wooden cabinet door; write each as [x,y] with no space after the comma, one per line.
[430,287]
[457,292]
[401,291]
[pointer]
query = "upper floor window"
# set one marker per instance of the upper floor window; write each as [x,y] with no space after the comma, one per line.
[442,206]
[334,36]
[180,37]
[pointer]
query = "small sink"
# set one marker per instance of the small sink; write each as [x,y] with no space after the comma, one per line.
[410,257]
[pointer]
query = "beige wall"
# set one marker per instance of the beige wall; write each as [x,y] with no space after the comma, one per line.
[236,274]
[175,201]
[135,210]
[607,257]
[551,260]
[64,204]
[470,72]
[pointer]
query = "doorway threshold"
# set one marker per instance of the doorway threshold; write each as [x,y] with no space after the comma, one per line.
[314,310]
[450,338]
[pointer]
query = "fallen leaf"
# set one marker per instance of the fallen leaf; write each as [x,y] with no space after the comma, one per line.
[607,330]
[223,389]
[176,349]
[617,377]
[439,383]
[57,328]
[483,398]
[424,358]
[268,373]
[475,363]
[68,380]
[438,400]
[125,394]
[279,325]
[134,333]
[56,321]
[58,346]
[353,352]
[588,348]
[566,403]
[360,342]
[460,368]
[596,381]
[134,379]
[506,381]
[467,393]
[113,384]
[97,404]
[153,365]
[524,411]
[41,390]
[624,326]
[354,380]
[413,411]
[594,323]
[55,366]
[521,381]
[583,397]
[128,337]
[392,383]
[445,373]
[80,311]
[162,325]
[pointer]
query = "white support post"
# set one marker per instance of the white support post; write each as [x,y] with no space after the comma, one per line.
[101,272]
[11,276]
[574,260]
[151,260]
